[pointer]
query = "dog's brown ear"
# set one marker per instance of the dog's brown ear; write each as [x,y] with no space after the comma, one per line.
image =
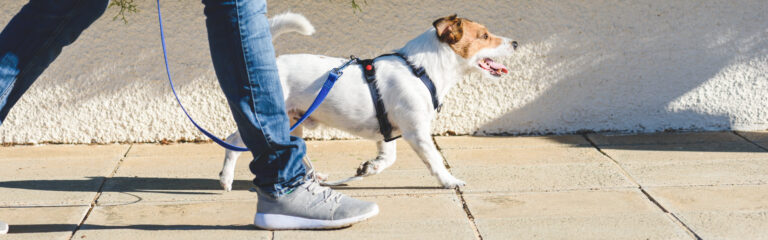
[449,29]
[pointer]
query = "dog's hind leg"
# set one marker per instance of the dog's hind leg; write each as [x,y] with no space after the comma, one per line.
[227,174]
[421,141]
[387,156]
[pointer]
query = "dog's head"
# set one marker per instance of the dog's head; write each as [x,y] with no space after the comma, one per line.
[475,44]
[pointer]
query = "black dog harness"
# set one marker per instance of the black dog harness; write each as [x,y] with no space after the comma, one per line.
[369,71]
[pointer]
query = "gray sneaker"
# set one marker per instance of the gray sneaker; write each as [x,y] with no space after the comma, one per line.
[311,206]
[3,227]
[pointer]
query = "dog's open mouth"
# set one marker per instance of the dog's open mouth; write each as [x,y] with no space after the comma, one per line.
[496,69]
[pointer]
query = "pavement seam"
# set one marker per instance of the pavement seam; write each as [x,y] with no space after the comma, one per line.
[460,194]
[98,194]
[750,141]
[653,200]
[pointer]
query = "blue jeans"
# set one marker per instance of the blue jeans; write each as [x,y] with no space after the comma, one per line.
[243,58]
[244,61]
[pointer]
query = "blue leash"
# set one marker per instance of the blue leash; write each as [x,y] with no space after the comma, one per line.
[333,75]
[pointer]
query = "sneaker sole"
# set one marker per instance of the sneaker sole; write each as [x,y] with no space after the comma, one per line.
[3,228]
[285,222]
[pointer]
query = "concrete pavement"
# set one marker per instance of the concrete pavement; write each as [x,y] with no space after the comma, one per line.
[710,185]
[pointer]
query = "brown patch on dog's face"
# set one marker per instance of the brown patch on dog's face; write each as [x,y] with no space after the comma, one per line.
[465,37]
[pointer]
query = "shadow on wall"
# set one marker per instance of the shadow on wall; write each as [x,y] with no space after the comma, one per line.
[639,66]
[642,71]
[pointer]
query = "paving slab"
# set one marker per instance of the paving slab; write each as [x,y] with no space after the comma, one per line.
[758,137]
[340,159]
[62,151]
[209,220]
[614,214]
[403,217]
[687,159]
[542,178]
[392,182]
[177,151]
[719,212]
[685,152]
[58,161]
[532,187]
[347,155]
[44,223]
[55,174]
[714,172]
[522,156]
[153,173]
[326,155]
[534,169]
[472,142]
[663,138]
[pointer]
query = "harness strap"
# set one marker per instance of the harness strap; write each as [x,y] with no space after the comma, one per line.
[369,73]
[421,73]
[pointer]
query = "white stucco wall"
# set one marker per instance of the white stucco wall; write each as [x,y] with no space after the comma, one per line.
[630,66]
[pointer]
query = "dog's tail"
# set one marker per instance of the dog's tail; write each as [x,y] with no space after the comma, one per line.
[290,22]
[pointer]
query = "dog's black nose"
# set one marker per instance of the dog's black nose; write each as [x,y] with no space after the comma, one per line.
[514,44]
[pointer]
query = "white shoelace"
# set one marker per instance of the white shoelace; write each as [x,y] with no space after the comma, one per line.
[314,184]
[328,193]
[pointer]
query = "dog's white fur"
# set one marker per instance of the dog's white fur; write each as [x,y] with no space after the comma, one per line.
[349,106]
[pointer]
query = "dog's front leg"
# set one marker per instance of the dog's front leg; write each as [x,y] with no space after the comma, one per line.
[227,174]
[421,141]
[387,156]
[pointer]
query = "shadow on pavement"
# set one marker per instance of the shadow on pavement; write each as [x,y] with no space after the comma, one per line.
[152,185]
[43,228]
[129,184]
[674,141]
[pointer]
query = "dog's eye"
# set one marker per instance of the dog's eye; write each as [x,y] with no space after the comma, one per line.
[485,36]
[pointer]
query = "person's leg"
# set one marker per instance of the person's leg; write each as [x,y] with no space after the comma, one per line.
[34,38]
[244,61]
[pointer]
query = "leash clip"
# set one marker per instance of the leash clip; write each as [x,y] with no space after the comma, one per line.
[337,71]
[352,59]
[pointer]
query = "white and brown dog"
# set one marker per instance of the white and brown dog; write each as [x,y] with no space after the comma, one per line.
[448,51]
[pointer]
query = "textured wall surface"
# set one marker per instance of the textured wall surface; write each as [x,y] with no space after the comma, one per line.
[629,66]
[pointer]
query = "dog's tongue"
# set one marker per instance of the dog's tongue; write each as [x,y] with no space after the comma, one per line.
[496,66]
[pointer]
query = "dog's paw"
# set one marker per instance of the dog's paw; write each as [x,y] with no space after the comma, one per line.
[452,182]
[226,181]
[368,168]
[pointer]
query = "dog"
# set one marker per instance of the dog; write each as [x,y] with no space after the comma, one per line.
[452,48]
